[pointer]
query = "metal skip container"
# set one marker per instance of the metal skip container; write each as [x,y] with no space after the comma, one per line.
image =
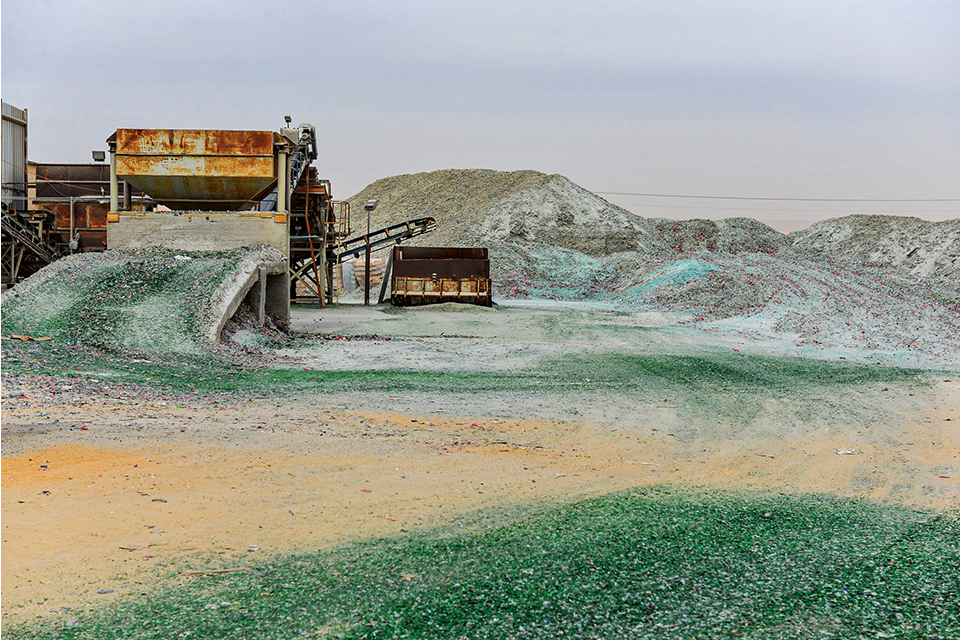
[425,275]
[198,170]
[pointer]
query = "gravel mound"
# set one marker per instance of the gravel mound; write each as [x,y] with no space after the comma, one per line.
[733,235]
[475,206]
[150,299]
[820,303]
[923,248]
[864,282]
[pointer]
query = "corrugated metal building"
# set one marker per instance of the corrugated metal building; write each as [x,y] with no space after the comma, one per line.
[14,156]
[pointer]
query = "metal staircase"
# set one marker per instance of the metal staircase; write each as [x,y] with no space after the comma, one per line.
[19,237]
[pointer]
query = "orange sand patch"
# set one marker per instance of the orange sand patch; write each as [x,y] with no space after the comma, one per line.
[80,518]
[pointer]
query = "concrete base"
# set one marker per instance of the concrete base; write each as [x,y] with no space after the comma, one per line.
[270,293]
[198,231]
[268,283]
[258,296]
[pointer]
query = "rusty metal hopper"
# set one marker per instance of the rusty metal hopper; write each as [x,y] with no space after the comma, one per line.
[193,169]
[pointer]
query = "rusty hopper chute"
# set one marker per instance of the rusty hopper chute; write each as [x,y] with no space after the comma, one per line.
[211,183]
[198,170]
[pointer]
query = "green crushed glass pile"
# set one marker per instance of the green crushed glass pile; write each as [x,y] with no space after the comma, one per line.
[649,564]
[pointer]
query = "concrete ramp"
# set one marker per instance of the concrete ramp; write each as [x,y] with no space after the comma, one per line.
[151,299]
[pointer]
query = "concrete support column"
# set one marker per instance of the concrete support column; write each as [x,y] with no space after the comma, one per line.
[258,296]
[277,295]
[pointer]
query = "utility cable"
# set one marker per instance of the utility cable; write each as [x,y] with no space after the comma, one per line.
[673,195]
[774,209]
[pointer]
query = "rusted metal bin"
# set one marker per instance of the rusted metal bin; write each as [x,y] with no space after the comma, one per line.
[78,196]
[425,275]
[193,169]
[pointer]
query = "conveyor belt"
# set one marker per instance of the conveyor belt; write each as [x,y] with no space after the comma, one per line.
[354,247]
[388,235]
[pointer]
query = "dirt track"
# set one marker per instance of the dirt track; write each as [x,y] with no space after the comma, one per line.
[149,489]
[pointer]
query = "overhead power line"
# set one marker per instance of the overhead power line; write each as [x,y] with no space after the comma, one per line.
[686,207]
[674,195]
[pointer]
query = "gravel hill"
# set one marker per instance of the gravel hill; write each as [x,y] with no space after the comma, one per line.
[882,283]
[923,248]
[475,206]
[730,236]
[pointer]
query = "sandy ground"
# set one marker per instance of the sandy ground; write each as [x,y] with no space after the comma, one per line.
[152,488]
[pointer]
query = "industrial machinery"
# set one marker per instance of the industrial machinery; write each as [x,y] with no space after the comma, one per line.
[303,264]
[26,245]
[64,212]
[26,248]
[190,189]
[225,189]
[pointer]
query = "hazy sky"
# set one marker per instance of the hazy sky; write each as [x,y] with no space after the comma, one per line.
[799,99]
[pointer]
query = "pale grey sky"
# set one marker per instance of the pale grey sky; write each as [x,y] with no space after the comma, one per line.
[838,99]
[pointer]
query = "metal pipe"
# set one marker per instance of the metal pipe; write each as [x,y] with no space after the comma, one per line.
[366,278]
[96,199]
[114,187]
[366,271]
[126,196]
[71,224]
[282,182]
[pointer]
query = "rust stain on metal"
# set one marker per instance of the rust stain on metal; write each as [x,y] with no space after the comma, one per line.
[221,166]
[195,169]
[85,215]
[72,180]
[202,142]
